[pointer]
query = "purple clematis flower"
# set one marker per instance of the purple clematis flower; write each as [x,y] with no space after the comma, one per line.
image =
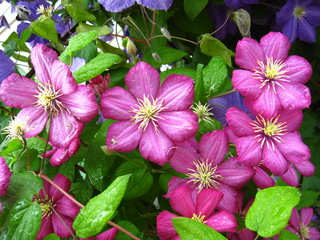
[5,175]
[273,141]
[271,81]
[202,163]
[235,4]
[152,116]
[57,97]
[200,207]
[59,220]
[298,18]
[119,5]
[6,66]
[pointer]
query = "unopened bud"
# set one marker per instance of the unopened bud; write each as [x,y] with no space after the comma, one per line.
[99,84]
[156,56]
[243,20]
[166,33]
[130,47]
[106,150]
[23,12]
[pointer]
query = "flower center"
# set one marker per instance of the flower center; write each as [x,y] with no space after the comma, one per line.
[204,175]
[304,232]
[299,12]
[203,112]
[271,74]
[16,128]
[268,130]
[147,111]
[199,218]
[47,98]
[46,207]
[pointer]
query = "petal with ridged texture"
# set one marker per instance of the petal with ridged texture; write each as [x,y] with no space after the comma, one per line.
[295,218]
[239,122]
[274,160]
[66,207]
[165,227]
[5,175]
[248,53]
[306,214]
[174,183]
[292,119]
[291,177]
[248,150]
[275,45]
[181,201]
[298,69]
[45,228]
[116,5]
[262,179]
[306,168]
[230,198]
[62,229]
[63,182]
[223,221]
[207,201]
[268,103]
[244,82]
[108,235]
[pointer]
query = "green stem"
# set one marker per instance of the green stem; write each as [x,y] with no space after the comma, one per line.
[226,93]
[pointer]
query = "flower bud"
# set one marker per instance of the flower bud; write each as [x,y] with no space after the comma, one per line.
[131,47]
[99,84]
[166,33]
[156,56]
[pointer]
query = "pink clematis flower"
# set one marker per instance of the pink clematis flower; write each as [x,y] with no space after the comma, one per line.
[152,116]
[5,175]
[274,141]
[300,224]
[204,166]
[271,80]
[57,97]
[58,211]
[200,207]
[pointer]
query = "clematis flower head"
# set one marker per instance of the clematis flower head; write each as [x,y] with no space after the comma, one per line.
[119,5]
[271,80]
[57,97]
[149,115]
[58,211]
[5,175]
[200,207]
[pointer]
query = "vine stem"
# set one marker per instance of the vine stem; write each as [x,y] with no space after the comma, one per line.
[43,176]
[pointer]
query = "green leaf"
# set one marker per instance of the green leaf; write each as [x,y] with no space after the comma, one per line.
[45,28]
[243,20]
[24,221]
[199,90]
[215,75]
[10,48]
[271,210]
[192,9]
[24,185]
[96,66]
[10,147]
[93,217]
[52,236]
[101,30]
[178,70]
[79,14]
[307,199]
[100,137]
[129,227]
[189,229]
[213,47]
[287,235]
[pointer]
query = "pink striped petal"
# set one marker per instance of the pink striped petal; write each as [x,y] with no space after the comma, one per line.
[207,201]
[165,227]
[177,91]
[248,150]
[294,96]
[18,91]
[42,59]
[293,149]
[81,103]
[292,119]
[117,103]
[306,214]
[248,53]
[230,198]
[275,45]
[179,126]
[64,206]
[181,201]
[267,104]
[214,146]
[231,136]
[239,122]
[63,182]
[62,226]
[291,177]
[244,82]
[274,160]
[314,234]
[262,179]
[143,80]
[123,136]
[295,218]
[223,221]
[108,235]
[299,69]
[306,168]
[155,145]
[45,228]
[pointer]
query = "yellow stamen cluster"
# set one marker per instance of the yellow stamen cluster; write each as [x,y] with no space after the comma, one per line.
[199,218]
[45,12]
[304,232]
[46,207]
[203,112]
[47,98]
[16,129]
[299,12]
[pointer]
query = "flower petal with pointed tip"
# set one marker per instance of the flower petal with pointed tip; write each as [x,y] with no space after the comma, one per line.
[165,227]
[62,229]
[239,122]
[262,179]
[181,201]
[244,82]
[207,201]
[223,221]
[275,45]
[306,168]
[298,68]
[66,207]
[116,5]
[248,150]
[156,4]
[274,160]
[45,228]
[291,177]
[5,175]
[63,182]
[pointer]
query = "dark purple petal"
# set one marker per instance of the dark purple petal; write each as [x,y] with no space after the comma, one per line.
[62,226]
[116,5]
[312,15]
[290,29]
[64,206]
[306,31]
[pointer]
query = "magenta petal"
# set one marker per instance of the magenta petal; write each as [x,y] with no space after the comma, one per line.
[66,207]
[183,157]
[214,146]
[81,103]
[314,234]
[18,91]
[59,157]
[239,122]
[143,80]
[123,136]
[274,160]
[179,126]
[293,149]
[177,92]
[165,227]
[207,201]
[248,53]
[306,215]
[62,79]
[181,201]
[292,119]
[62,182]
[295,96]
[62,229]
[173,184]
[42,59]
[248,150]
[5,175]
[46,228]
[230,198]
[267,104]
[117,103]
[155,145]
[295,218]
[108,235]
[299,69]
[275,45]
[291,177]
[234,173]
[306,168]
[223,221]
[262,179]
[64,128]
[244,82]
